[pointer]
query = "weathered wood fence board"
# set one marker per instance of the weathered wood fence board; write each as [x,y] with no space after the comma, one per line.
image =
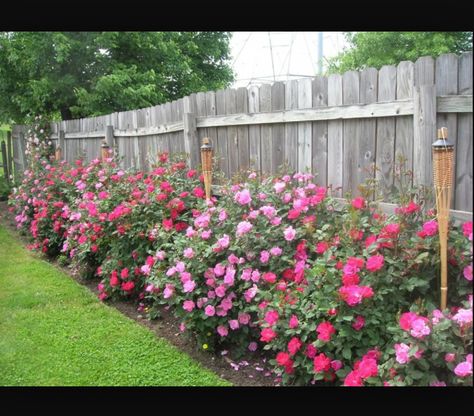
[338,127]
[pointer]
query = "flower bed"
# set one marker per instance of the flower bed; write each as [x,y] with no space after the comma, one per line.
[341,296]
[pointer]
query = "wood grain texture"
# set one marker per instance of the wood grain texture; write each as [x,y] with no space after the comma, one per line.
[291,130]
[319,159]
[446,75]
[385,155]
[464,150]
[404,125]
[278,130]
[367,139]
[305,144]
[242,106]
[266,130]
[335,139]
[350,90]
[221,151]
[254,131]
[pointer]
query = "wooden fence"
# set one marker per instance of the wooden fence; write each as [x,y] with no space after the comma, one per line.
[338,126]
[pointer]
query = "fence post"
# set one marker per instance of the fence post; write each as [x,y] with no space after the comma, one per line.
[10,153]
[60,149]
[5,161]
[424,129]
[191,139]
[109,138]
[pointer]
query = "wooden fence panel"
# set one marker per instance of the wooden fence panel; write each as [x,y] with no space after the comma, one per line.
[278,130]
[350,90]
[319,148]
[266,130]
[366,144]
[336,126]
[404,125]
[335,139]
[464,150]
[254,131]
[385,157]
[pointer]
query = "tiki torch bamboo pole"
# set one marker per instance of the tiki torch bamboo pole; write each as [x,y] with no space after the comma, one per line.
[443,170]
[206,159]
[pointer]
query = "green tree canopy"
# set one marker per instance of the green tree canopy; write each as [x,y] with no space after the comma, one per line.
[375,49]
[80,74]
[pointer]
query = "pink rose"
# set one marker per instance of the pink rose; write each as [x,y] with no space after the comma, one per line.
[374,263]
[358,203]
[449,357]
[243,197]
[209,310]
[463,369]
[325,331]
[243,228]
[234,324]
[401,352]
[293,322]
[359,323]
[430,227]
[468,272]
[294,345]
[222,330]
[289,233]
[188,305]
[271,317]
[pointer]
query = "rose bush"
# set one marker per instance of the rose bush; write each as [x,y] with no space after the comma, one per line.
[332,293]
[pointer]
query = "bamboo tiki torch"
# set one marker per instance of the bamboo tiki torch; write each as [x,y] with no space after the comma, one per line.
[57,154]
[104,150]
[443,161]
[206,160]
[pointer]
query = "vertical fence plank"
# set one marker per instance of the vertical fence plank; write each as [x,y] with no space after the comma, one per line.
[320,132]
[446,75]
[385,156]
[305,144]
[211,110]
[464,150]
[367,137]
[335,138]
[350,90]
[243,131]
[404,125]
[291,129]
[190,134]
[278,130]
[424,119]
[10,152]
[254,131]
[232,142]
[221,148]
[266,130]
[201,111]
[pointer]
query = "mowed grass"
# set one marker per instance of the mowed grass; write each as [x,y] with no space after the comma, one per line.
[54,332]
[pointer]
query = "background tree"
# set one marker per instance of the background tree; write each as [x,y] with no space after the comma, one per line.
[375,49]
[80,74]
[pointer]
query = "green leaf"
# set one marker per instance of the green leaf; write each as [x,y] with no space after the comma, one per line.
[347,353]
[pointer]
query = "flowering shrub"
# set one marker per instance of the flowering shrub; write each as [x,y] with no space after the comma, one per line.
[344,295]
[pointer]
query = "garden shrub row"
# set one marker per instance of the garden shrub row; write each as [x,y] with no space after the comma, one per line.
[343,296]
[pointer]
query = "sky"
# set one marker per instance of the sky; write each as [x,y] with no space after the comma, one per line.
[295,55]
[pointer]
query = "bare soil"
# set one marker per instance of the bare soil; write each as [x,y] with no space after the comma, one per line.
[250,370]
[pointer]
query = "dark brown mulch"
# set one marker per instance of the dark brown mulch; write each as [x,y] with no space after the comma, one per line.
[250,370]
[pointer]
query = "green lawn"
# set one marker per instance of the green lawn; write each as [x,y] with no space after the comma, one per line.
[55,332]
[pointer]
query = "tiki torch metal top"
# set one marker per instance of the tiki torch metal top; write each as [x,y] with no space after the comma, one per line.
[206,146]
[442,143]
